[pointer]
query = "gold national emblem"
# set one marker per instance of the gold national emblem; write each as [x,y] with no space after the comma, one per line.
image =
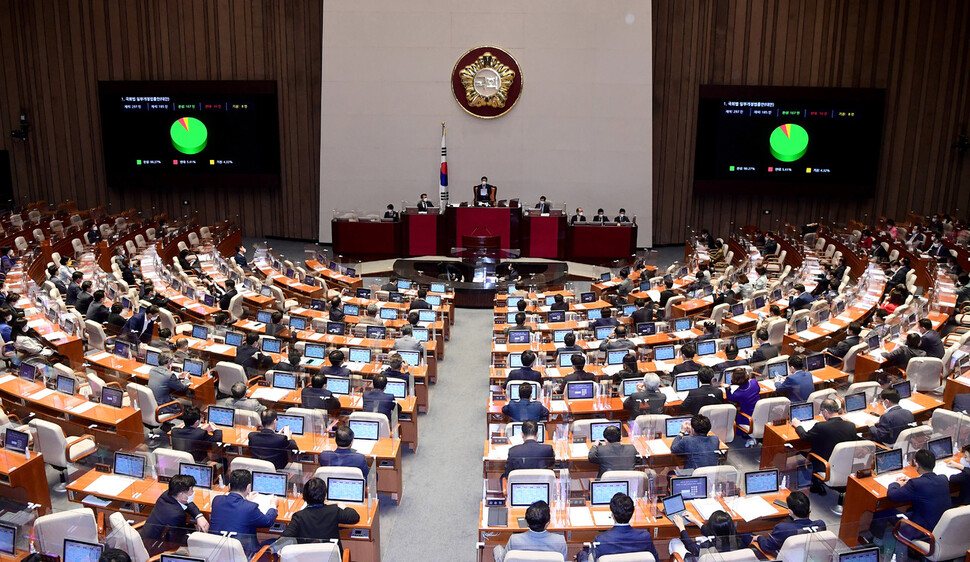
[487,82]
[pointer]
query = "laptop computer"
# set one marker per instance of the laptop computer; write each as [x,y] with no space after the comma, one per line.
[151,357]
[112,396]
[594,314]
[682,324]
[388,313]
[397,388]
[941,447]
[814,362]
[555,316]
[200,332]
[779,369]
[65,385]
[674,505]
[272,345]
[338,385]
[803,411]
[603,332]
[587,297]
[516,428]
[616,356]
[855,402]
[16,441]
[706,347]
[194,367]
[515,360]
[513,389]
[744,341]
[672,426]
[646,328]
[366,430]
[235,339]
[8,539]
[904,388]
[683,383]
[336,328]
[127,464]
[566,359]
[301,322]
[284,380]
[519,336]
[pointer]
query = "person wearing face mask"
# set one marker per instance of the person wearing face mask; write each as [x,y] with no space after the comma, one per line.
[578,217]
[621,218]
[424,205]
[543,206]
[962,478]
[169,519]
[893,421]
[484,193]
[240,257]
[601,216]
[7,260]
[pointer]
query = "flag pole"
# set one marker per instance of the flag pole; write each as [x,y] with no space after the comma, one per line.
[443,177]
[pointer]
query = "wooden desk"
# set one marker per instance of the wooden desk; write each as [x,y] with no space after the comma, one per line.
[586,243]
[334,277]
[290,287]
[123,370]
[23,479]
[954,386]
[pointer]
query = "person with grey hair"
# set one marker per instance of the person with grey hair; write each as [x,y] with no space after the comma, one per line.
[824,436]
[407,342]
[163,382]
[647,399]
[371,319]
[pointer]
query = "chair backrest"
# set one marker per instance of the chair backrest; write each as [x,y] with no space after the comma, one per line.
[316,420]
[95,334]
[182,246]
[776,331]
[912,439]
[722,420]
[952,424]
[869,387]
[580,428]
[636,479]
[246,418]
[313,552]
[925,373]
[652,424]
[246,463]
[325,473]
[741,555]
[952,539]
[78,246]
[229,374]
[848,362]
[671,302]
[718,473]
[140,241]
[51,441]
[236,307]
[193,239]
[718,312]
[166,319]
[767,410]
[143,399]
[808,546]
[216,548]
[532,476]
[123,536]
[626,557]
[51,530]
[847,458]
[385,425]
[205,233]
[533,556]
[167,461]
[797,315]
[817,397]
[150,233]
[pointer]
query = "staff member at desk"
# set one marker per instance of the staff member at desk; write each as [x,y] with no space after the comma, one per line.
[536,539]
[163,382]
[424,204]
[236,512]
[893,421]
[647,399]
[601,217]
[612,455]
[621,218]
[268,445]
[530,454]
[799,508]
[140,326]
[318,521]
[578,217]
[824,436]
[169,519]
[622,538]
[542,206]
[484,193]
[525,409]
[344,455]
[193,437]
[929,494]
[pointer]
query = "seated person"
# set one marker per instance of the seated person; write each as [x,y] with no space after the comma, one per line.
[115,318]
[237,399]
[531,453]
[579,373]
[929,495]
[376,400]
[824,436]
[799,384]
[745,395]
[799,508]
[407,341]
[765,350]
[390,213]
[275,328]
[962,478]
[163,382]
[900,356]
[621,218]
[852,339]
[617,341]
[525,408]
[802,300]
[626,285]
[688,351]
[559,304]
[397,369]
[484,193]
[344,454]
[667,292]
[536,539]
[569,345]
[930,341]
[718,534]
[236,512]
[335,368]
[601,216]
[578,217]
[171,514]
[519,323]
[336,313]
[318,522]
[710,332]
[316,396]
[420,303]
[647,399]
[269,445]
[542,206]
[97,311]
[248,354]
[610,454]
[645,312]
[630,370]
[605,320]
[622,538]
[696,443]
[893,421]
[731,353]
[194,437]
[705,394]
[526,372]
[370,317]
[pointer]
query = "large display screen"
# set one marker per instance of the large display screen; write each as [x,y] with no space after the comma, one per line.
[759,139]
[193,134]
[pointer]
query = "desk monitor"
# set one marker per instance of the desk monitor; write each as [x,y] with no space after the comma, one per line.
[376,332]
[672,426]
[208,300]
[579,390]
[510,317]
[587,297]
[201,472]
[16,441]
[691,487]
[904,388]
[685,382]
[350,272]
[128,464]
[682,324]
[558,336]
[874,342]
[338,385]
[615,356]
[512,302]
[708,290]
[519,336]
[264,316]
[759,302]
[603,332]
[271,483]
[776,295]
[594,314]
[194,367]
[706,347]
[336,328]
[540,434]
[223,417]
[663,353]
[396,388]
[295,423]
[566,358]
[629,309]
[362,293]
[111,396]
[272,345]
[284,380]
[761,482]
[779,369]
[839,307]
[81,551]
[318,304]
[801,324]
[8,539]
[333,266]
[646,328]
[865,554]
[823,316]
[421,334]
[601,492]
[438,288]
[513,388]
[814,362]
[360,355]
[737,309]
[645,286]
[606,277]
[351,309]
[855,402]
[266,291]
[433,300]
[684,271]
[412,358]
[515,360]
[596,429]
[28,372]
[315,350]
[425,315]
[369,430]
[65,385]
[524,494]
[395,297]
[803,411]
[200,332]
[894,331]
[122,349]
[298,322]
[151,357]
[555,316]
[403,284]
[744,341]
[630,386]
[189,292]
[345,489]
[125,304]
[941,447]
[235,339]
[889,461]
[674,505]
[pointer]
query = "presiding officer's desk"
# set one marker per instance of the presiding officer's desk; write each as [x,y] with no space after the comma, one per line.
[137,500]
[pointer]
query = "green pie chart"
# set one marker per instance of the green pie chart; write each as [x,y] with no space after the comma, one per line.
[788,142]
[189,135]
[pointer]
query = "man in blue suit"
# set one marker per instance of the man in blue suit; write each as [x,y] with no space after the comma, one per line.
[141,325]
[524,408]
[798,385]
[171,514]
[531,453]
[696,443]
[344,455]
[799,507]
[526,372]
[376,400]
[930,341]
[929,495]
[623,538]
[317,396]
[893,421]
[268,445]
[235,512]
[803,300]
[605,320]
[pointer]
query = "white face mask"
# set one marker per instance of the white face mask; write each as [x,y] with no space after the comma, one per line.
[190,498]
[242,250]
[965,461]
[580,213]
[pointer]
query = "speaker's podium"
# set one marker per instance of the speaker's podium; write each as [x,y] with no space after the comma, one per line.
[501,221]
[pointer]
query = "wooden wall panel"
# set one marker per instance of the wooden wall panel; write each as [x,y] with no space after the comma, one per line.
[918,51]
[52,55]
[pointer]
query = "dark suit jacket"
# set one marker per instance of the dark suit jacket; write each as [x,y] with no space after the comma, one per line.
[843,347]
[618,218]
[764,352]
[961,403]
[419,304]
[523,410]
[688,366]
[379,401]
[226,298]
[931,343]
[83,302]
[195,440]
[700,450]
[929,494]
[642,315]
[900,356]
[59,285]
[613,456]
[645,402]
[135,324]
[530,454]
[232,512]
[168,521]
[601,218]
[899,276]
[576,218]
[891,424]
[564,306]
[344,457]
[803,300]
[320,523]
[425,205]
[704,395]
[962,479]
[772,544]
[275,330]
[97,312]
[318,398]
[246,356]
[665,296]
[268,445]
[72,292]
[825,435]
[116,320]
[544,207]
[525,374]
[622,539]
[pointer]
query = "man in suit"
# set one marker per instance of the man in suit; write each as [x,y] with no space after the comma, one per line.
[901,356]
[647,399]
[407,341]
[148,294]
[799,509]
[238,400]
[227,296]
[839,272]
[625,286]
[97,311]
[140,326]
[194,437]
[802,301]
[688,351]
[605,319]
[236,512]
[667,292]
[601,217]
[542,206]
[525,409]
[851,340]
[611,454]
[275,328]
[424,205]
[484,193]
[7,260]
[84,298]
[930,341]
[268,445]
[74,288]
[578,373]
[58,283]
[617,341]
[623,538]
[316,396]
[170,516]
[396,369]
[420,303]
[643,313]
[336,313]
[526,372]
[531,453]
[824,436]
[370,316]
[705,394]
[376,400]
[344,454]
[962,478]
[247,354]
[893,421]
[559,303]
[163,382]
[335,368]
[929,494]
[318,521]
[240,257]
[569,346]
[536,539]
[578,217]
[621,218]
[731,353]
[799,384]
[696,443]
[390,213]
[115,318]
[899,276]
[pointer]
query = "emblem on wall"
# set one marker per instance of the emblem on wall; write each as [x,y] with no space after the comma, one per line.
[486,82]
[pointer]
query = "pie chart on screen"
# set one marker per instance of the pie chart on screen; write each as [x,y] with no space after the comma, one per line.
[788,142]
[189,135]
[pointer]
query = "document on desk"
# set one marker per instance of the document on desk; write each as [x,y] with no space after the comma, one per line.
[54,336]
[558,406]
[908,404]
[860,418]
[83,407]
[274,394]
[143,370]
[36,323]
[658,447]
[498,452]
[355,341]
[807,425]
[98,356]
[578,450]
[94,500]
[709,360]
[705,507]
[40,395]
[886,479]
[663,366]
[552,372]
[603,518]
[218,348]
[7,378]
[365,446]
[612,369]
[684,334]
[751,508]
[265,502]
[580,517]
[109,485]
[807,335]
[499,348]
[944,469]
